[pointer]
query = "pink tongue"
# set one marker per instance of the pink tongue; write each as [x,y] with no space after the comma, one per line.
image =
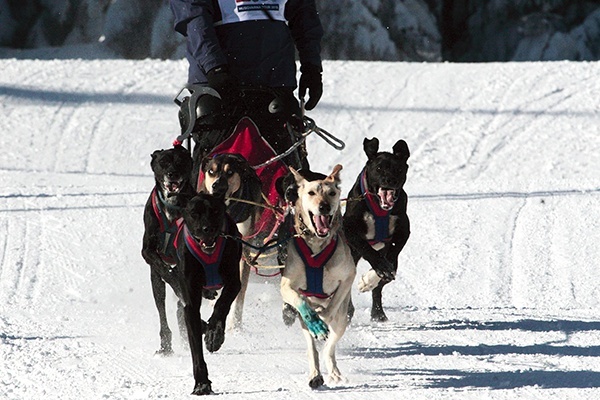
[387,198]
[321,223]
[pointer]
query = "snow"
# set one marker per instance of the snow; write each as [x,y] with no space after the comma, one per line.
[496,295]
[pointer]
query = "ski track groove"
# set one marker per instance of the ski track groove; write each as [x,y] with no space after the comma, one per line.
[431,137]
[520,130]
[14,263]
[92,143]
[69,280]
[5,255]
[61,127]
[510,248]
[28,278]
[483,129]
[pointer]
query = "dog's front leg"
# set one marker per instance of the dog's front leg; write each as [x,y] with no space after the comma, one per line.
[341,296]
[166,272]
[399,239]
[338,326]
[215,333]
[192,296]
[315,325]
[355,228]
[159,293]
[153,259]
[202,384]
[315,379]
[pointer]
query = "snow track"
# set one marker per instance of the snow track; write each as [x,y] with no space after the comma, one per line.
[496,296]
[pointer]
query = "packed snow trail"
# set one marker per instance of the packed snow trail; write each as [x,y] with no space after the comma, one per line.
[496,294]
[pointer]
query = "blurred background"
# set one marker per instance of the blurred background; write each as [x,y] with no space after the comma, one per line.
[375,30]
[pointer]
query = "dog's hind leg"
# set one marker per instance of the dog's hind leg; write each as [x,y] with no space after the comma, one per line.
[315,379]
[159,293]
[235,322]
[182,328]
[350,313]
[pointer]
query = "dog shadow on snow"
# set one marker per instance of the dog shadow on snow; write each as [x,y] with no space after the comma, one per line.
[526,376]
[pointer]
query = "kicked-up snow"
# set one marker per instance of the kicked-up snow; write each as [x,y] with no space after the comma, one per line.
[497,292]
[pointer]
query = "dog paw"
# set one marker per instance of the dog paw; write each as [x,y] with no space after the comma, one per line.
[368,281]
[316,382]
[377,315]
[386,271]
[164,352]
[214,337]
[335,377]
[209,294]
[202,389]
[288,314]
[315,325]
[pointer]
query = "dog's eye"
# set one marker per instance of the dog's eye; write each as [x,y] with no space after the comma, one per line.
[210,172]
[311,193]
[229,173]
[332,193]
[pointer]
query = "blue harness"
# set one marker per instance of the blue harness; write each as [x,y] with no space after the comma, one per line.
[314,266]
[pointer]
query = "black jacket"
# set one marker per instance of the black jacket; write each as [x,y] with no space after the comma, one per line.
[256,38]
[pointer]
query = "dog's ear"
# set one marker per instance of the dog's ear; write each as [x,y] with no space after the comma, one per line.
[155,154]
[287,188]
[291,193]
[401,150]
[204,162]
[245,169]
[371,147]
[335,174]
[297,176]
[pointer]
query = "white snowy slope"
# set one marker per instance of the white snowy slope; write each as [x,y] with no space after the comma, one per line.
[497,294]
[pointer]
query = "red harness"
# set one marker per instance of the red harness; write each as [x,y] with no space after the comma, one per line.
[381,216]
[168,230]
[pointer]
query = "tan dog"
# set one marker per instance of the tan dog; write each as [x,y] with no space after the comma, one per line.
[319,269]
[243,184]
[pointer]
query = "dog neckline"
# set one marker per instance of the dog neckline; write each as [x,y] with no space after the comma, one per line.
[164,202]
[371,198]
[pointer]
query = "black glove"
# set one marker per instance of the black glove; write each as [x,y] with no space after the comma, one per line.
[222,81]
[310,79]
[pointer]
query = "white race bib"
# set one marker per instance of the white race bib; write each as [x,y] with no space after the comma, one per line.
[250,10]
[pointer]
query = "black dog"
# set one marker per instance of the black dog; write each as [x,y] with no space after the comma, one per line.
[375,222]
[209,253]
[172,171]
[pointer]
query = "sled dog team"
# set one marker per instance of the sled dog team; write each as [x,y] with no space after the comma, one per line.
[193,241]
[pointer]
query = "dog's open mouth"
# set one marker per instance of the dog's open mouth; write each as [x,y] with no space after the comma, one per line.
[172,187]
[387,198]
[207,245]
[321,224]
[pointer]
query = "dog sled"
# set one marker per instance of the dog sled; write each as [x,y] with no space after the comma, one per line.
[270,156]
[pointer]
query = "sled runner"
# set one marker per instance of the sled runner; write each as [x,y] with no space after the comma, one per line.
[268,155]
